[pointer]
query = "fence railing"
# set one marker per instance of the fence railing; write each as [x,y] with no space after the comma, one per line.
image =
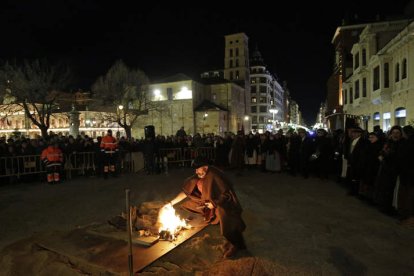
[84,162]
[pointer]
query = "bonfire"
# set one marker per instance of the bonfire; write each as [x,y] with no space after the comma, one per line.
[170,223]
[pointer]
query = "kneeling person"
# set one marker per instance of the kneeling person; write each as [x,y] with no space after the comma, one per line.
[209,188]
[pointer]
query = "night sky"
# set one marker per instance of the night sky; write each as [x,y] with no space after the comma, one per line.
[164,39]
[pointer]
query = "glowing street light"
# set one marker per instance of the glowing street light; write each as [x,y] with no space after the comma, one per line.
[274,111]
[120,107]
[204,120]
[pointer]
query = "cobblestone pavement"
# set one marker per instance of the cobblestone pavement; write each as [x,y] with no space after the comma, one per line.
[292,221]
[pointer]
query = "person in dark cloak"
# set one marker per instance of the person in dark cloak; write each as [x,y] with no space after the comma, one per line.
[211,194]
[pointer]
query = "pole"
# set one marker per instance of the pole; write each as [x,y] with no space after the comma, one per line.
[129,229]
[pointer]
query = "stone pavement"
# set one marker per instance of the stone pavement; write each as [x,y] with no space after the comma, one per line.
[310,225]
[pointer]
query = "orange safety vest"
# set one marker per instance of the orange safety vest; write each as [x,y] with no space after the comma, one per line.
[52,154]
[109,144]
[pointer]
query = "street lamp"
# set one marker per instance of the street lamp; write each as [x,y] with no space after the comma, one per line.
[204,120]
[120,107]
[274,111]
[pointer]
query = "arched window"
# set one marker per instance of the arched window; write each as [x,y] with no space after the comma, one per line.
[400,115]
[386,123]
[377,118]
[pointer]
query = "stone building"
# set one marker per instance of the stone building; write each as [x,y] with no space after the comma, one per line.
[380,90]
[202,106]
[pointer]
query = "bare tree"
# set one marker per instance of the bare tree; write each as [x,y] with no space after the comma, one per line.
[34,87]
[124,92]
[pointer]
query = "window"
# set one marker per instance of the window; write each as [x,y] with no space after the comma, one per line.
[263,80]
[254,109]
[253,89]
[263,100]
[351,96]
[263,89]
[386,75]
[377,118]
[364,57]
[400,115]
[237,74]
[254,120]
[237,52]
[375,83]
[231,52]
[231,63]
[397,72]
[214,96]
[386,120]
[254,100]
[356,60]
[169,93]
[231,75]
[404,69]
[364,87]
[261,119]
[263,109]
[357,89]
[345,96]
[237,62]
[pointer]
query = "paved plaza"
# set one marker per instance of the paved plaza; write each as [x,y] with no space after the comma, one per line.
[306,224]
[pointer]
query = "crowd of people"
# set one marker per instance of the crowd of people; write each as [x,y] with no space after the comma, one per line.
[374,166]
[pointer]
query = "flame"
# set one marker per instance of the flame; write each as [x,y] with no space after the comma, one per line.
[169,220]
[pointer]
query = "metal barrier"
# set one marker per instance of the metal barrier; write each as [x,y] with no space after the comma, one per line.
[20,165]
[84,162]
[185,155]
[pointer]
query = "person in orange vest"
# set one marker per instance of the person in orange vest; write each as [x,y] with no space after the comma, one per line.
[52,158]
[109,148]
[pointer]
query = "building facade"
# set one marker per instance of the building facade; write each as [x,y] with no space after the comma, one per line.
[267,96]
[381,91]
[237,67]
[343,40]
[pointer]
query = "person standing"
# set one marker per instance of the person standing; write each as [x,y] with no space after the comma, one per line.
[181,132]
[109,148]
[211,194]
[52,158]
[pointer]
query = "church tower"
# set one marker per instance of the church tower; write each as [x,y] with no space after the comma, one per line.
[237,68]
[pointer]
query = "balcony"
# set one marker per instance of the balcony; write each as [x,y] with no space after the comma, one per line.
[381,96]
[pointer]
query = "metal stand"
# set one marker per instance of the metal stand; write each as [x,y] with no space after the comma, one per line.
[129,229]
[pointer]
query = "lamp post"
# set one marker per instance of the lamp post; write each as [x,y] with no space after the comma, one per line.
[274,111]
[204,120]
[120,107]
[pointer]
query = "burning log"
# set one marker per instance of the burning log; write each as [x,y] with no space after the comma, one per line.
[170,223]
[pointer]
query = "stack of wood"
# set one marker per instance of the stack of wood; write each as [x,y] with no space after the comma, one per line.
[147,216]
[143,217]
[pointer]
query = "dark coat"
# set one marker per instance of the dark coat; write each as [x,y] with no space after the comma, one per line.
[218,190]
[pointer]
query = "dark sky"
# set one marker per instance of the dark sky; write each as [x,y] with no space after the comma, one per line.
[163,39]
